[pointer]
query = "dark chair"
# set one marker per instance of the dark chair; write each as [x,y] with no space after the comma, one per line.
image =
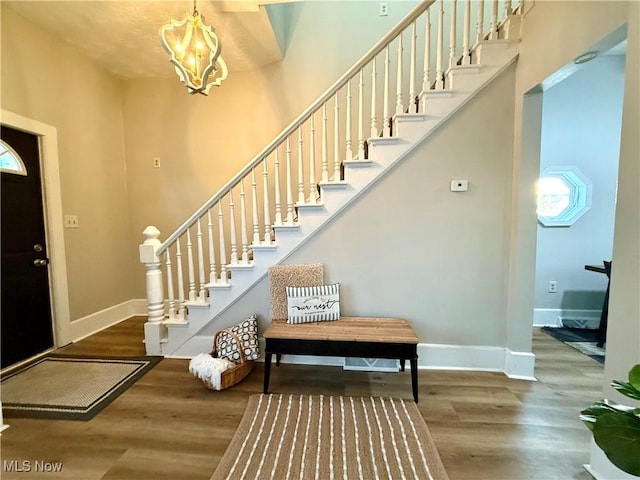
[602,329]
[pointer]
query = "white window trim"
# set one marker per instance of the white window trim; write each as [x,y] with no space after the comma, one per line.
[580,203]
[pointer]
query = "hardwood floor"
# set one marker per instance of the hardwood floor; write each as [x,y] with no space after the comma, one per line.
[169,426]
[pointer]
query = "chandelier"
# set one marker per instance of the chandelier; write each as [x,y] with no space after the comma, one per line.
[194,50]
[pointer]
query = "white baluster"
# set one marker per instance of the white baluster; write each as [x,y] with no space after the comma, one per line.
[232,231]
[223,249]
[480,25]
[426,78]
[243,225]
[212,255]
[170,293]
[190,269]
[413,106]
[276,181]
[399,101]
[325,146]
[254,208]
[374,121]
[347,122]
[386,120]
[508,8]
[452,34]
[180,275]
[312,162]
[493,35]
[466,47]
[300,167]
[202,293]
[289,192]
[440,48]
[361,115]
[265,203]
[336,141]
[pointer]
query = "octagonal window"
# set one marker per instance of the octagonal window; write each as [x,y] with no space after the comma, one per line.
[564,195]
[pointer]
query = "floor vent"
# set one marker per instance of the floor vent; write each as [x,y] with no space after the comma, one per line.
[371,364]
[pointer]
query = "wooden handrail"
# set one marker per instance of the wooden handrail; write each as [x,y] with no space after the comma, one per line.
[304,116]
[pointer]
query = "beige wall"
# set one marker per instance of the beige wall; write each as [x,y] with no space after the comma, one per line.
[411,248]
[47,81]
[204,141]
[110,130]
[623,339]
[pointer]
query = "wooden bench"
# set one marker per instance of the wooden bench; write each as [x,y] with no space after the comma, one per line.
[366,337]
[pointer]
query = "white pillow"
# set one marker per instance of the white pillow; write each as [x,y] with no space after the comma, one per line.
[313,304]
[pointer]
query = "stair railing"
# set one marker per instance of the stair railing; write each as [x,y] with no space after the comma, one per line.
[291,164]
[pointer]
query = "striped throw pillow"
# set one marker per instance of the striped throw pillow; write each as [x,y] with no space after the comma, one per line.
[313,304]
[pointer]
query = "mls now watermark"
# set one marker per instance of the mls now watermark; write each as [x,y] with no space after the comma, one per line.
[39,466]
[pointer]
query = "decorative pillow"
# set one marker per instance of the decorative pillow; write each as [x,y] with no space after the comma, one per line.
[247,333]
[283,276]
[313,304]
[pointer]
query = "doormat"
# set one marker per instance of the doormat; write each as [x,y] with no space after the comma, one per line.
[70,387]
[582,339]
[309,436]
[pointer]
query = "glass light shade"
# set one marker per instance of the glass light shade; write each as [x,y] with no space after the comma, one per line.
[194,50]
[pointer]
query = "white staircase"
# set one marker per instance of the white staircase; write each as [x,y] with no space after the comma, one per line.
[214,281]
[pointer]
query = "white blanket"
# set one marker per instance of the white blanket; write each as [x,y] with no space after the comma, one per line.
[208,368]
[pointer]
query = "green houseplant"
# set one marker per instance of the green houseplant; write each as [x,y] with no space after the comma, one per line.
[616,427]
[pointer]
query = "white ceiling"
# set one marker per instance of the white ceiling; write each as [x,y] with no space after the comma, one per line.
[123,36]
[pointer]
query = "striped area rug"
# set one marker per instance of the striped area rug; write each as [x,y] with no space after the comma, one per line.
[320,437]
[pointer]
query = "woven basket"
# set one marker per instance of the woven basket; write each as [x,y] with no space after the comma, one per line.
[234,374]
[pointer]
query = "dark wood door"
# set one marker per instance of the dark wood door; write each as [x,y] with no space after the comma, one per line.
[26,303]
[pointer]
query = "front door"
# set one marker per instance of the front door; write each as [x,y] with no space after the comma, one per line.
[26,328]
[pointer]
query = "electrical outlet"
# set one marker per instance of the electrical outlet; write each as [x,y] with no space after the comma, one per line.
[553,286]
[156,162]
[384,9]
[71,221]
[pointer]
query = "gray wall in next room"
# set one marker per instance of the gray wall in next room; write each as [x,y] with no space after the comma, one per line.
[581,123]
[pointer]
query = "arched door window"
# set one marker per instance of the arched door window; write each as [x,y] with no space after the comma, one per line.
[10,161]
[564,195]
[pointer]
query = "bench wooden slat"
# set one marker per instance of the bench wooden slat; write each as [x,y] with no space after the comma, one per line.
[350,329]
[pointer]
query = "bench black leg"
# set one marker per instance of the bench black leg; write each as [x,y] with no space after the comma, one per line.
[414,378]
[267,371]
[278,357]
[402,360]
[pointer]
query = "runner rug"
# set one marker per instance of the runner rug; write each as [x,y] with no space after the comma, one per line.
[70,387]
[302,437]
[582,339]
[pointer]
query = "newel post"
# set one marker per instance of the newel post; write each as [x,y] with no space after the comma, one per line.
[155,301]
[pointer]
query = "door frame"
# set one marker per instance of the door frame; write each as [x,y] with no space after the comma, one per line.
[53,220]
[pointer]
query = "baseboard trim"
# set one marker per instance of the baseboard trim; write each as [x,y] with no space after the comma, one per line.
[95,322]
[516,365]
[552,317]
[519,365]
[601,468]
